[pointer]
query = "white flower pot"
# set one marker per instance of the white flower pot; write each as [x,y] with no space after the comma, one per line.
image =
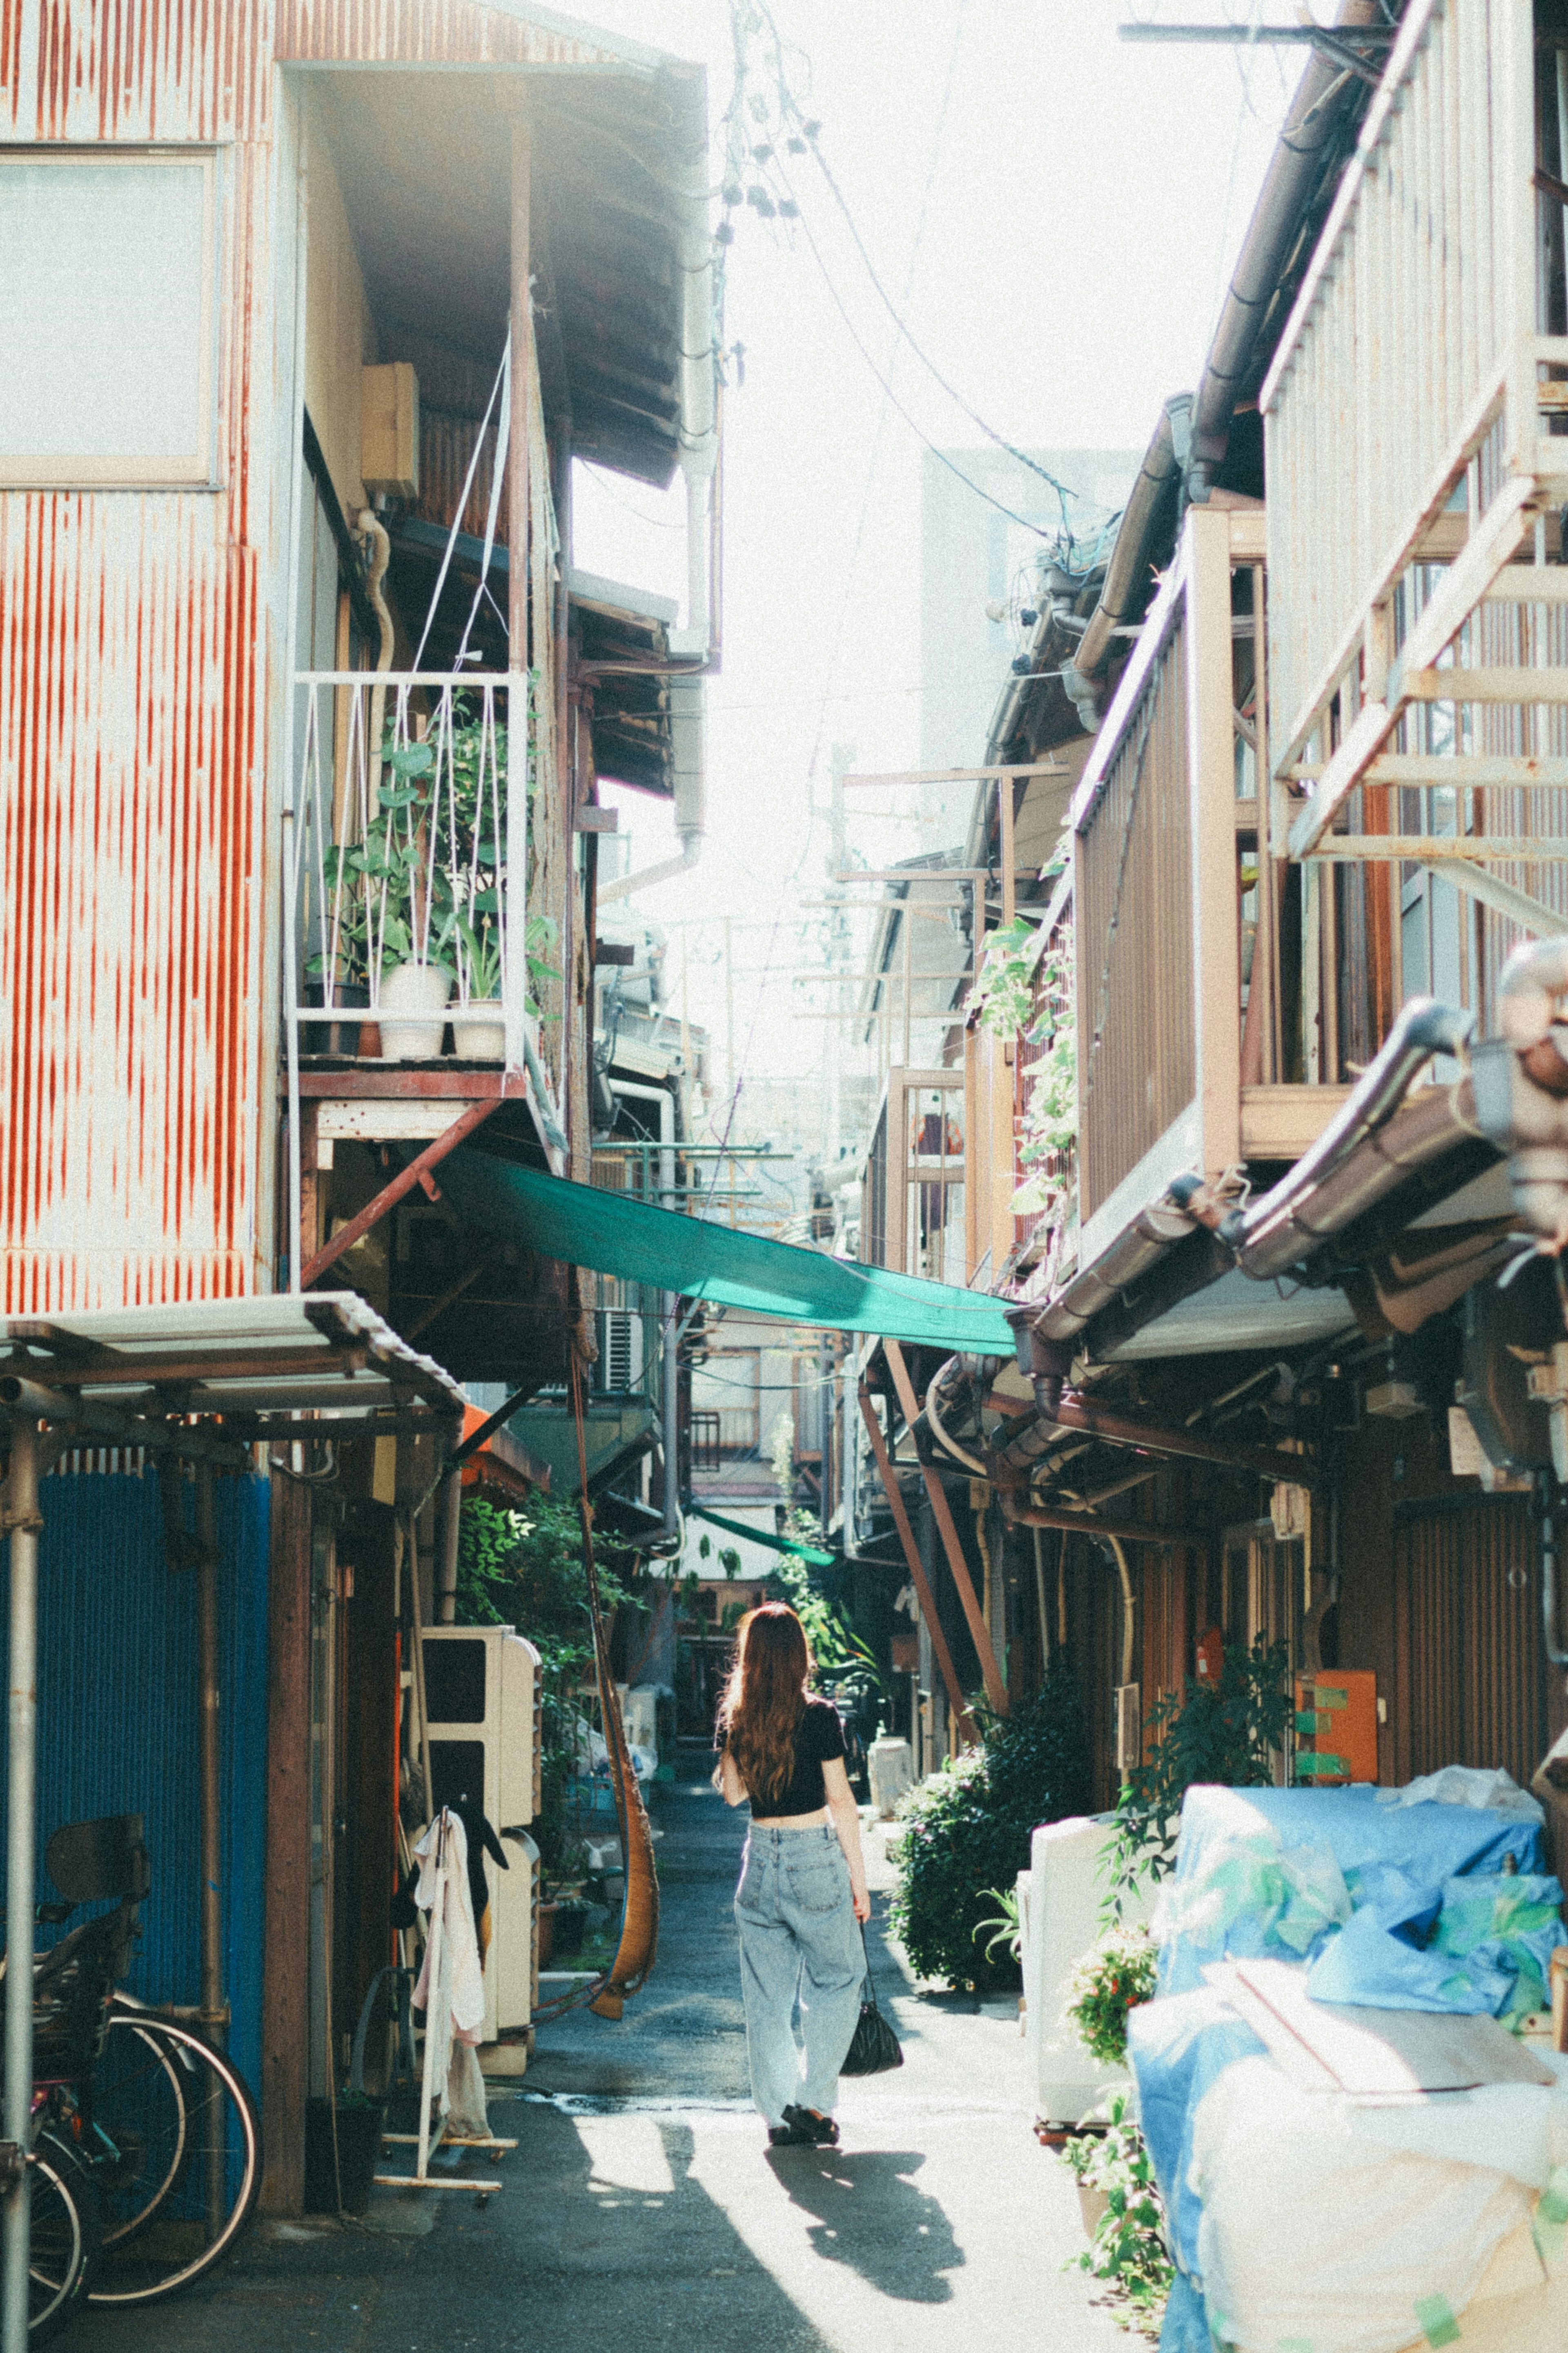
[481,1041]
[409,995]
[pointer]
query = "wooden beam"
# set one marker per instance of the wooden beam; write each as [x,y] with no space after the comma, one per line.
[961,775]
[1423,849]
[1280,1122]
[1504,898]
[941,1513]
[390,1194]
[385,1082]
[1466,771]
[1152,1438]
[1504,682]
[286,1933]
[955,1699]
[1082,1523]
[1531,583]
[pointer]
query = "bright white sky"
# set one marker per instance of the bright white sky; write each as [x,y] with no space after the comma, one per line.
[1083,199]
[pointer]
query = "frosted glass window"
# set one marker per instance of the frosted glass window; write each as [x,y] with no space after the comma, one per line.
[106,292]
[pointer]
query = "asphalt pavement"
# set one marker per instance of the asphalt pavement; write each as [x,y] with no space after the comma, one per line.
[644,2208]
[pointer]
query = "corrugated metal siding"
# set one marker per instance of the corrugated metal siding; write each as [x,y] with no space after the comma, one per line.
[1468,1618]
[117,1715]
[426,32]
[132,696]
[137,69]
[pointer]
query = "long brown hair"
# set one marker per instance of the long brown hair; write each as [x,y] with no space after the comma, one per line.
[764,1698]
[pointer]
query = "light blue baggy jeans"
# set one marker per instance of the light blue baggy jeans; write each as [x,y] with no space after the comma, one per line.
[798,1936]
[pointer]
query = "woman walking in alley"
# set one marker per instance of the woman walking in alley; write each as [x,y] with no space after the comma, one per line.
[803,1877]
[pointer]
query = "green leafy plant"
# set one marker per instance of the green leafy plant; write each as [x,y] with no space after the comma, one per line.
[1128,2252]
[966,1831]
[1048,1131]
[525,1569]
[1228,1731]
[1004,993]
[1006,1925]
[1112,1978]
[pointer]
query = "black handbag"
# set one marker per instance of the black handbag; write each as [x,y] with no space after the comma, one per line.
[874,2047]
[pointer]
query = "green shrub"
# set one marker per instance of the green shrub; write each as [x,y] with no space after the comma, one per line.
[1112,1978]
[1228,1732]
[965,1832]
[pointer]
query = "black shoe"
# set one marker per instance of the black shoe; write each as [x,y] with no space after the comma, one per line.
[787,2135]
[807,2125]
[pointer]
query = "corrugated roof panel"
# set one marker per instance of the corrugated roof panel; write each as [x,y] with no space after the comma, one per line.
[435,32]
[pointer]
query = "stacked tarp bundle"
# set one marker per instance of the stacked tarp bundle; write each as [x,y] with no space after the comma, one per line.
[1312,2219]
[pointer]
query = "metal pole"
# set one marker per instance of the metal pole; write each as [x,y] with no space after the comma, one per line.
[446,1550]
[213,2016]
[22,1524]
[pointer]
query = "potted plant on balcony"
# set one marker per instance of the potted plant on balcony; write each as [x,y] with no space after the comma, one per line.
[404,889]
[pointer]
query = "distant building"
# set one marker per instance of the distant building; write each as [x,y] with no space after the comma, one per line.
[973,556]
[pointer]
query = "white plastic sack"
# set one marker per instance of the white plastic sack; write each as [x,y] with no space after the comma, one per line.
[1314,2233]
[1467,1784]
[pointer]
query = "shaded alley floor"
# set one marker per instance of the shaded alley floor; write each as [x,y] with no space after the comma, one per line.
[644,2208]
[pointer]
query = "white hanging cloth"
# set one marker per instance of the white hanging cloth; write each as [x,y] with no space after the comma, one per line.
[454,2006]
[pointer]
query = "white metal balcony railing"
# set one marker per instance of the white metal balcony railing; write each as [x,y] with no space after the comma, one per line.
[405,902]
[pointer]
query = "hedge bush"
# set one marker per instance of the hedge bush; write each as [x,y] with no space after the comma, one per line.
[965,1832]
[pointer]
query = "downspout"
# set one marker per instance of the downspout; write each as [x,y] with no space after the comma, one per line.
[689,757]
[1123,594]
[697,377]
[1323,96]
[669,1302]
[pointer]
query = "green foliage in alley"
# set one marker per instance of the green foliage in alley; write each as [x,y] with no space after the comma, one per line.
[966,1831]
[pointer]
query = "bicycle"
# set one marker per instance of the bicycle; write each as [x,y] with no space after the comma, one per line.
[160,2121]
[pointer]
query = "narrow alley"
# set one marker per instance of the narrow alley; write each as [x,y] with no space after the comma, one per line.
[643,2207]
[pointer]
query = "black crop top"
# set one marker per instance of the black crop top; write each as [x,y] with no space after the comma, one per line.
[818,1738]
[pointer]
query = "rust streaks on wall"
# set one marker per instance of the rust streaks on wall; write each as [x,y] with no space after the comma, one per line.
[424,32]
[151,68]
[129,848]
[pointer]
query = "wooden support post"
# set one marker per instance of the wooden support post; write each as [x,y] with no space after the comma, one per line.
[308,1241]
[991,1674]
[286,1944]
[955,1698]
[390,1194]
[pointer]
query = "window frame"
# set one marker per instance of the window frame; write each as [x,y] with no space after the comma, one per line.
[197,470]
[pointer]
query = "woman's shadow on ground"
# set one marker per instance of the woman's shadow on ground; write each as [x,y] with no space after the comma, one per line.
[872,2215]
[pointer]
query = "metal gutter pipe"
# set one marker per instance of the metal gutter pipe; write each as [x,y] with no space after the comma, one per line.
[1159,478]
[1324,96]
[698,374]
[1323,1192]
[669,1302]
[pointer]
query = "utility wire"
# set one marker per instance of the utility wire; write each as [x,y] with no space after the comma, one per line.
[1063,493]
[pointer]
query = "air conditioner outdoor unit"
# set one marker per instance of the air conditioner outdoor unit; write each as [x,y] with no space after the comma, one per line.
[620,1335]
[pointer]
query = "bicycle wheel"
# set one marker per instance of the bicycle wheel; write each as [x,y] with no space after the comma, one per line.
[202,2199]
[63,2252]
[141,2138]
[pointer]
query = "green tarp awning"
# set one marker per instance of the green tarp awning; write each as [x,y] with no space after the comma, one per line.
[764,1537]
[613,1235]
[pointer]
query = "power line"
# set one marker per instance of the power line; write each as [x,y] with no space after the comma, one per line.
[923,356]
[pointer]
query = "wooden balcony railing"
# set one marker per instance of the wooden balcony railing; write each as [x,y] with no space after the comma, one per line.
[1158,820]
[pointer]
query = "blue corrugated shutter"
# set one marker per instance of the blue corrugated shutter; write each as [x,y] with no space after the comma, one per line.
[117,1715]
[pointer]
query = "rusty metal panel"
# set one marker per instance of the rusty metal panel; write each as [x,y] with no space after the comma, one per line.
[136,1157]
[445,446]
[1468,1621]
[142,68]
[129,852]
[426,32]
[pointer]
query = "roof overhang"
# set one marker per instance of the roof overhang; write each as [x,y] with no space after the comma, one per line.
[283,1365]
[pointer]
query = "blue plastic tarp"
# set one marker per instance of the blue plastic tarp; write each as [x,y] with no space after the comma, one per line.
[1278,1871]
